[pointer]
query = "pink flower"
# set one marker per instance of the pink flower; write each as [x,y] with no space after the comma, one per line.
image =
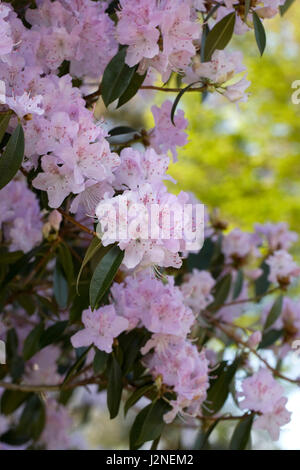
[196,290]
[24,104]
[273,420]
[239,245]
[282,267]
[101,327]
[261,392]
[277,235]
[254,339]
[165,136]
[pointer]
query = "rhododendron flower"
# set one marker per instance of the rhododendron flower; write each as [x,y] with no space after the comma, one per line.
[101,327]
[24,104]
[238,245]
[261,392]
[273,421]
[282,267]
[165,136]
[277,235]
[196,290]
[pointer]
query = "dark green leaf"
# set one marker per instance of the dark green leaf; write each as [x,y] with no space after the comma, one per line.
[284,8]
[100,361]
[12,157]
[12,399]
[262,284]
[32,342]
[241,434]
[202,259]
[137,395]
[78,364]
[33,418]
[132,89]
[202,438]
[53,334]
[149,423]
[60,286]
[260,34]
[270,338]
[114,387]
[220,386]
[121,130]
[247,8]
[66,261]
[10,257]
[116,77]
[177,99]
[4,121]
[221,292]
[92,249]
[219,36]
[274,312]
[238,285]
[104,274]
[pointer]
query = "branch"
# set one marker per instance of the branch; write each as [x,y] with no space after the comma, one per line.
[78,224]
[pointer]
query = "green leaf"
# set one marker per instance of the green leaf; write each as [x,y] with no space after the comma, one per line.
[284,8]
[121,130]
[148,424]
[178,98]
[66,261]
[220,386]
[137,395]
[247,8]
[53,334]
[260,34]
[78,364]
[241,434]
[60,286]
[100,361]
[104,274]
[92,249]
[262,284]
[219,36]
[10,257]
[33,418]
[202,438]
[238,285]
[114,387]
[12,157]
[12,399]
[4,121]
[116,78]
[202,259]
[274,312]
[132,89]
[270,338]
[221,292]
[32,342]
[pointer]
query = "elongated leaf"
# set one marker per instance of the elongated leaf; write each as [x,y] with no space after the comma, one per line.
[12,399]
[148,424]
[104,274]
[92,249]
[32,342]
[12,157]
[202,438]
[262,284]
[274,312]
[221,292]
[269,338]
[220,387]
[260,34]
[60,286]
[219,36]
[77,365]
[53,334]
[137,395]
[33,418]
[100,361]
[132,89]
[247,8]
[4,121]
[238,285]
[241,434]
[114,388]
[177,99]
[66,261]
[116,78]
[284,8]
[10,257]
[121,130]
